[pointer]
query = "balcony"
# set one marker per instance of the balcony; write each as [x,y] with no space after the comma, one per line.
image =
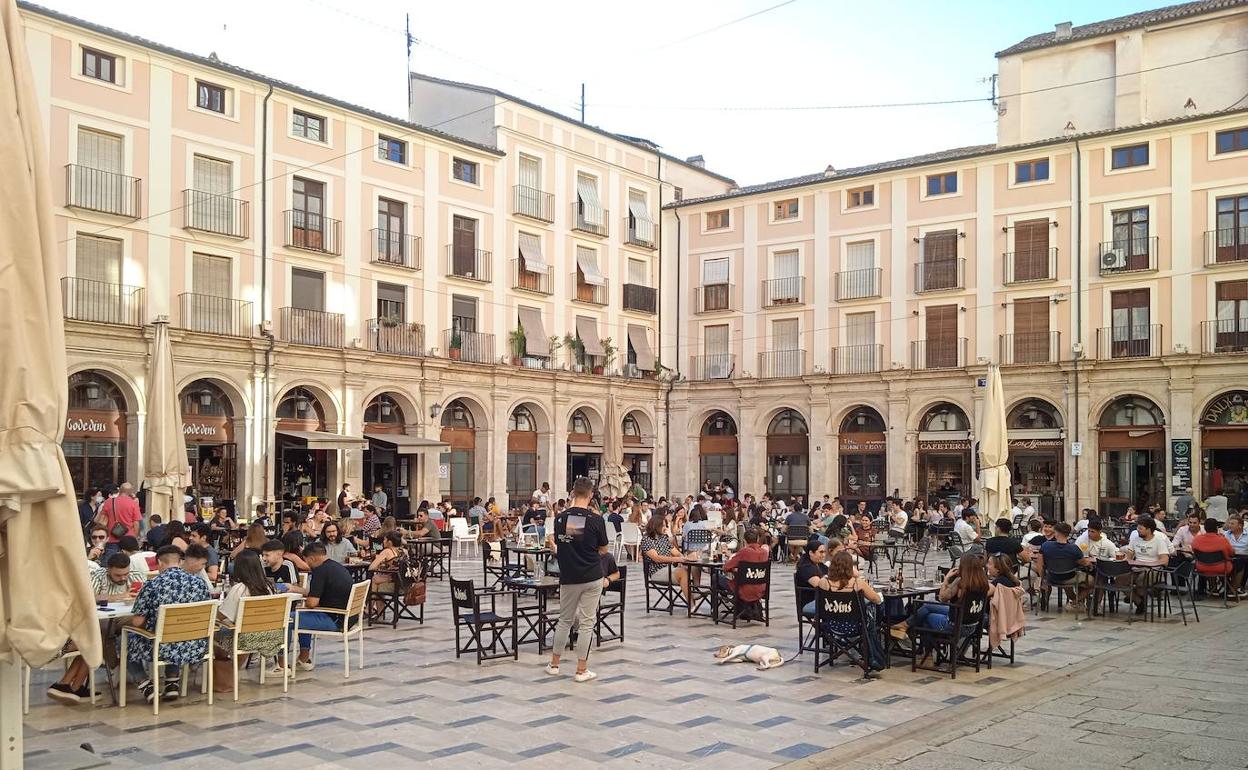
[859,284]
[1029,348]
[1129,255]
[639,232]
[857,359]
[107,192]
[394,249]
[1229,335]
[779,292]
[310,327]
[776,364]
[312,232]
[532,203]
[592,294]
[474,347]
[1226,247]
[217,214]
[590,220]
[100,302]
[712,298]
[215,315]
[1138,341]
[640,299]
[939,275]
[715,366]
[1029,266]
[389,335]
[527,280]
[468,263]
[947,353]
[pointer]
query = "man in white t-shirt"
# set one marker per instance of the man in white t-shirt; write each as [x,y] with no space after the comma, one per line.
[1147,548]
[967,528]
[1029,510]
[1095,544]
[542,496]
[1016,511]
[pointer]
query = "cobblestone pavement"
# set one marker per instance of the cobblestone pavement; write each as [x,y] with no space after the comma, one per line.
[660,701]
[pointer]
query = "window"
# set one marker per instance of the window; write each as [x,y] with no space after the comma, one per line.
[717,220]
[521,419]
[209,97]
[786,209]
[1031,170]
[99,65]
[391,302]
[861,196]
[1231,326]
[464,170]
[1130,156]
[638,272]
[394,150]
[308,126]
[307,289]
[1232,140]
[463,313]
[942,184]
[715,271]
[1131,232]
[1130,324]
[210,275]
[579,423]
[678,193]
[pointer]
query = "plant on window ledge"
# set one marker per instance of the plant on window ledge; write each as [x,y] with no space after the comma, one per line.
[455,346]
[577,348]
[389,321]
[518,345]
[608,355]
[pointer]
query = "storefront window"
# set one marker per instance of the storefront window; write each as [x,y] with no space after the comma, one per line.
[717,449]
[95,432]
[1132,462]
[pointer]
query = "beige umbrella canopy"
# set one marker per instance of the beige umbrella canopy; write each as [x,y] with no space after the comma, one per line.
[45,596]
[994,453]
[164,452]
[614,481]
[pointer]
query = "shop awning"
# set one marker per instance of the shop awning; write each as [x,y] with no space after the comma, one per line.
[409,445]
[587,261]
[317,439]
[531,250]
[641,346]
[536,341]
[587,330]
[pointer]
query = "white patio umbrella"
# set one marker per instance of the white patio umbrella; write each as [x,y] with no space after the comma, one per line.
[994,452]
[45,596]
[164,451]
[614,481]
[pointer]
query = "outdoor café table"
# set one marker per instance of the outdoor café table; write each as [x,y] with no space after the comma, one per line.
[521,551]
[698,593]
[358,570]
[537,621]
[890,547]
[896,607]
[113,612]
[432,553]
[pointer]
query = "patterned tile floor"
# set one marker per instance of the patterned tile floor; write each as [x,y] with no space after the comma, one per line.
[659,700]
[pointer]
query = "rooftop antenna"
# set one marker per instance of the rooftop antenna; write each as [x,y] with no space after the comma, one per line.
[582,102]
[407,34]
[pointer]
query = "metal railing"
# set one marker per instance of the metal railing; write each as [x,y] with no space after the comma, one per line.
[475,347]
[712,298]
[1129,255]
[939,275]
[215,315]
[1229,335]
[105,303]
[938,354]
[1029,348]
[1134,341]
[536,362]
[715,366]
[466,263]
[642,299]
[218,214]
[773,364]
[527,280]
[105,191]
[1029,266]
[389,335]
[312,232]
[395,249]
[583,291]
[532,203]
[590,220]
[640,232]
[311,327]
[1226,246]
[784,291]
[859,284]
[857,359]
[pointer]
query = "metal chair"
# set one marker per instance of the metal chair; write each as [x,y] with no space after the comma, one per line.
[806,630]
[915,555]
[698,539]
[469,616]
[175,623]
[609,623]
[352,625]
[1107,584]
[405,572]
[966,629]
[1216,567]
[668,594]
[1180,581]
[842,608]
[795,538]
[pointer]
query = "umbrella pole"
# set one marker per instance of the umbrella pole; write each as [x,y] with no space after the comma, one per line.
[11,712]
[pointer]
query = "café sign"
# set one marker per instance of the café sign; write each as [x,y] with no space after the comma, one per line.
[207,429]
[945,446]
[1035,443]
[869,442]
[1228,409]
[95,424]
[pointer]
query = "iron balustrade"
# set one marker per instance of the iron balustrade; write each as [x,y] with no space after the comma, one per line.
[1226,246]
[311,327]
[108,192]
[1128,255]
[713,366]
[639,232]
[395,249]
[1029,266]
[1131,341]
[1227,335]
[1029,348]
[784,291]
[641,299]
[773,364]
[939,275]
[857,359]
[467,263]
[215,315]
[583,291]
[859,284]
[310,231]
[587,219]
[529,280]
[532,203]
[390,335]
[101,302]
[218,214]
[713,297]
[475,347]
[942,353]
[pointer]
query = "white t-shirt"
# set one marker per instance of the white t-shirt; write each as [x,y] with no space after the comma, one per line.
[1029,511]
[1149,552]
[138,562]
[542,498]
[899,519]
[230,602]
[1081,525]
[964,531]
[1103,549]
[1015,512]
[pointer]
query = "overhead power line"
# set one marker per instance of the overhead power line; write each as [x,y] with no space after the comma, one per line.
[718,27]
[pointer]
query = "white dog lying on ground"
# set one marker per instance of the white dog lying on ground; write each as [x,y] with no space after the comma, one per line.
[764,657]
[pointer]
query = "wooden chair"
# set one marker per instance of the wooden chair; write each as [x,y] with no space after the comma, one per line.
[257,614]
[352,625]
[966,629]
[606,627]
[756,574]
[471,617]
[174,623]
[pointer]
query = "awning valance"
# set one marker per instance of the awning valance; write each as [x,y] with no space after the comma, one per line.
[321,440]
[536,341]
[587,330]
[409,445]
[641,347]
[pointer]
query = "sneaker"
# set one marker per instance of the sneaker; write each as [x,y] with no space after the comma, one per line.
[173,688]
[305,665]
[552,670]
[148,690]
[274,674]
[64,693]
[84,693]
[871,674]
[585,676]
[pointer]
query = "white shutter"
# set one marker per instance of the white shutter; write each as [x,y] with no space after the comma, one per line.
[638,274]
[213,176]
[715,340]
[531,250]
[530,172]
[786,263]
[98,259]
[99,150]
[587,191]
[210,275]
[715,271]
[860,255]
[587,261]
[643,225]
[784,334]
[860,329]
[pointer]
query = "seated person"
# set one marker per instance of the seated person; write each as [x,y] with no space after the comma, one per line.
[754,552]
[201,535]
[140,560]
[293,543]
[1001,542]
[249,580]
[172,585]
[1183,537]
[277,567]
[95,548]
[1094,543]
[969,578]
[657,547]
[1034,536]
[156,531]
[195,562]
[330,588]
[810,569]
[535,517]
[175,534]
[1062,559]
[843,576]
[424,527]
[1211,540]
[338,547]
[967,528]
[1146,548]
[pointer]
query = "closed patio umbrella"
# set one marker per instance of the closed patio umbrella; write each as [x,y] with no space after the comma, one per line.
[164,452]
[994,453]
[614,481]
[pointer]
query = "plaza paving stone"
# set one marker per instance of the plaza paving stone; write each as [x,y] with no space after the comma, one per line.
[660,701]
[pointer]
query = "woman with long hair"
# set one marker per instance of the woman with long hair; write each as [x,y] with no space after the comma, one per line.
[969,578]
[253,541]
[293,542]
[249,580]
[843,576]
[658,548]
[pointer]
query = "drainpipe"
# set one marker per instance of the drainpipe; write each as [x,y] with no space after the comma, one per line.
[264,290]
[667,395]
[1078,213]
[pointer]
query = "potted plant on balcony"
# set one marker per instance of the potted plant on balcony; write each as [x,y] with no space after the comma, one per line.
[608,355]
[388,322]
[455,346]
[577,348]
[518,346]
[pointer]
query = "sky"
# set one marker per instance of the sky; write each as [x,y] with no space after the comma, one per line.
[675,72]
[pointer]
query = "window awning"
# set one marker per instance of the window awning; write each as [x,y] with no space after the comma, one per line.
[536,341]
[409,445]
[587,261]
[317,439]
[587,330]
[643,225]
[531,250]
[641,346]
[591,207]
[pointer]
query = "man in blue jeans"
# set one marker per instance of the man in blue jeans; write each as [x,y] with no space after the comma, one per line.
[330,588]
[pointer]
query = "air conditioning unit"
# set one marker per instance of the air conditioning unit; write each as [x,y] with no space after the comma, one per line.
[1113,259]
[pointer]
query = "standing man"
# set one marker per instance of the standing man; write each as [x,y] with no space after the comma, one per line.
[542,496]
[343,498]
[120,510]
[381,501]
[1184,501]
[580,535]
